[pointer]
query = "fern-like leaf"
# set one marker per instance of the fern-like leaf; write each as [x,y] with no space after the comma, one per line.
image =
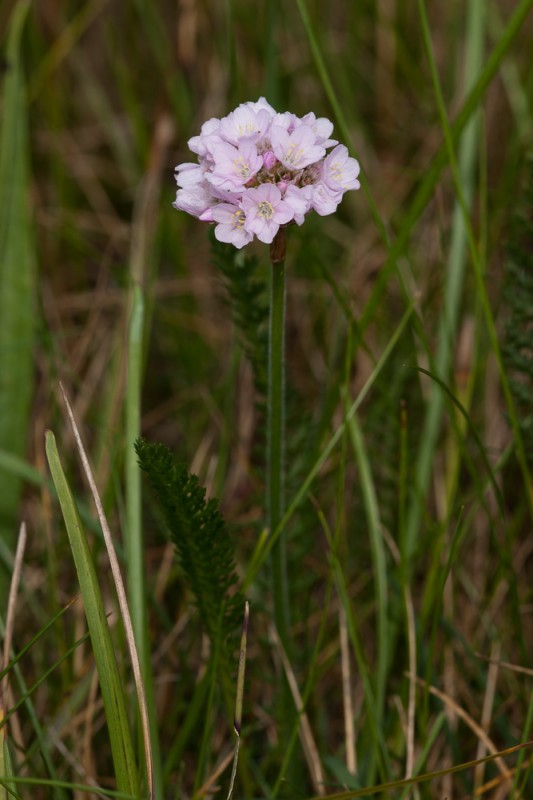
[249,306]
[203,544]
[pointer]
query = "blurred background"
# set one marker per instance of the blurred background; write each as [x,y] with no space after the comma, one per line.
[99,100]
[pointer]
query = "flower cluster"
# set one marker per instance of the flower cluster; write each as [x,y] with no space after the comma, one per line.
[258,169]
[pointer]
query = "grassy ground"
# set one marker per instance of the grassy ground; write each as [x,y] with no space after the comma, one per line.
[409,385]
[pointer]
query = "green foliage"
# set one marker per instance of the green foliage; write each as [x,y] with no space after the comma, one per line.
[111,685]
[249,306]
[114,93]
[204,547]
[247,290]
[17,274]
[517,347]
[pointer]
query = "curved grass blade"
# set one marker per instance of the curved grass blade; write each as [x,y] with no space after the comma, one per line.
[74,787]
[427,776]
[239,696]
[110,682]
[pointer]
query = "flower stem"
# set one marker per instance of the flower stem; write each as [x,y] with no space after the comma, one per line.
[276,433]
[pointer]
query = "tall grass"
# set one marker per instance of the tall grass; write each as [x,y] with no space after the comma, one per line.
[401,667]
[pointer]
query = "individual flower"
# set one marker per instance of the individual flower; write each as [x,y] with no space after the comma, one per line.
[299,199]
[234,166]
[265,211]
[323,200]
[195,199]
[339,171]
[230,226]
[258,170]
[322,127]
[245,123]
[297,149]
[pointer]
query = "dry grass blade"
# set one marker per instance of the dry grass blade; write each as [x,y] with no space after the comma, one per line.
[472,724]
[10,619]
[121,594]
[347,694]
[5,699]
[239,696]
[506,665]
[411,708]
[209,785]
[306,735]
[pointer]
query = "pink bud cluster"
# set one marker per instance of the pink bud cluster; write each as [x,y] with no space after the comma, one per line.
[258,169]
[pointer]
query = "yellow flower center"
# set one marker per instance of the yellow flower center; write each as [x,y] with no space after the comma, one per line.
[241,167]
[238,218]
[265,210]
[293,154]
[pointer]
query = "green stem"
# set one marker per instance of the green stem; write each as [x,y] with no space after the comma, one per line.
[276,433]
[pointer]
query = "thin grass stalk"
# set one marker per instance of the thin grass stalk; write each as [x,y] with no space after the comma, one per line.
[385,788]
[25,693]
[379,754]
[42,737]
[215,681]
[122,600]
[133,539]
[266,544]
[57,784]
[483,296]
[432,174]
[276,435]
[275,504]
[427,745]
[17,279]
[454,281]
[307,740]
[239,696]
[377,549]
[104,653]
[140,301]
[339,114]
[310,682]
[338,544]
[526,733]
[6,765]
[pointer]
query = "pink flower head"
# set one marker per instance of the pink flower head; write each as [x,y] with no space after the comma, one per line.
[258,170]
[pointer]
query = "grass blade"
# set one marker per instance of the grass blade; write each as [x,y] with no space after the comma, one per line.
[455,275]
[110,681]
[370,500]
[17,276]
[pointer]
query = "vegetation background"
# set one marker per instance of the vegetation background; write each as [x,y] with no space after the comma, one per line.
[410,547]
